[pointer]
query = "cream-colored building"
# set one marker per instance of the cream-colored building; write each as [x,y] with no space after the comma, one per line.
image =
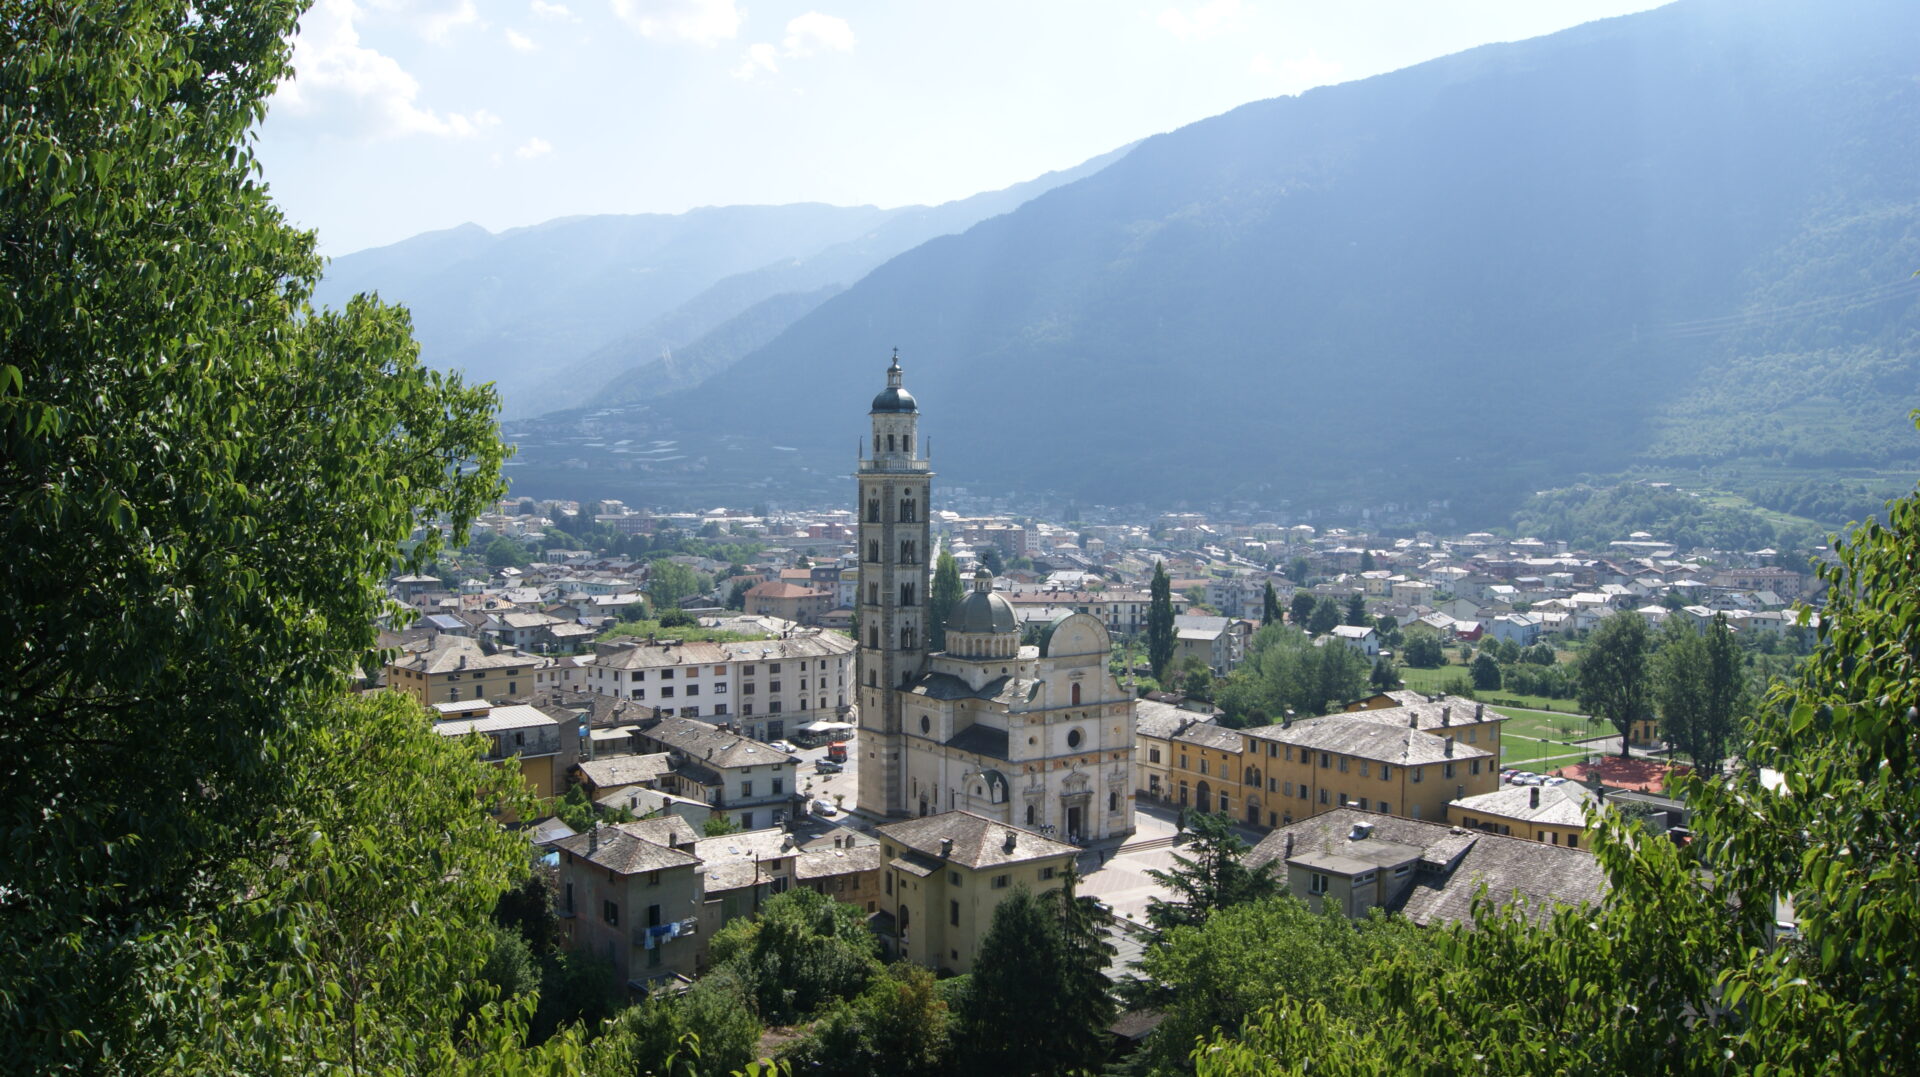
[633,902]
[1038,737]
[943,876]
[456,668]
[1555,814]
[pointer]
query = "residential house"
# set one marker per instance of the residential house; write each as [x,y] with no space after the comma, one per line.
[750,782]
[1361,638]
[1429,872]
[456,667]
[544,745]
[795,602]
[945,874]
[634,903]
[1555,814]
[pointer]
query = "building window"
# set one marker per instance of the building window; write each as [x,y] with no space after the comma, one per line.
[774,707]
[749,688]
[666,693]
[1153,755]
[746,789]
[873,638]
[907,511]
[1417,774]
[1386,807]
[1385,772]
[1001,882]
[1325,760]
[693,689]
[953,877]
[774,667]
[907,552]
[1286,789]
[873,550]
[1045,874]
[873,507]
[779,786]
[746,710]
[1343,764]
[1316,883]
[1447,770]
[1323,796]
[953,913]
[610,912]
[1203,767]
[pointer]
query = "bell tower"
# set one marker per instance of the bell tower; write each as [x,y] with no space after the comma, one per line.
[895,481]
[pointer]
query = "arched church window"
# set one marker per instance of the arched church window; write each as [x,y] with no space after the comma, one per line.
[876,443]
[1113,801]
[1076,695]
[906,594]
[873,638]
[873,550]
[907,552]
[906,637]
[873,510]
[907,511]
[889,442]
[1029,815]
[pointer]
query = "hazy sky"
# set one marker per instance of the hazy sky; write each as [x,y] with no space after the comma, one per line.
[412,115]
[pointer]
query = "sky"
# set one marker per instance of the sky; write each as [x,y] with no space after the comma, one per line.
[408,116]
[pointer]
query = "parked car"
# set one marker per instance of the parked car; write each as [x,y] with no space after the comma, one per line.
[785,746]
[827,766]
[825,808]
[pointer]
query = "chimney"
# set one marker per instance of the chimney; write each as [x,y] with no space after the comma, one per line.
[1533,798]
[1446,716]
[1413,720]
[946,848]
[1479,712]
[593,839]
[1449,747]
[1011,839]
[1288,855]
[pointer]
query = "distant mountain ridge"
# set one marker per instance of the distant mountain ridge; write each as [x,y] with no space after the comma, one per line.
[1453,283]
[558,313]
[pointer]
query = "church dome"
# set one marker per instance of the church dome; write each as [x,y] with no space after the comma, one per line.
[982,612]
[894,399]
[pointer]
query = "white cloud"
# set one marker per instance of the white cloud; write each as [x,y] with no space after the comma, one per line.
[544,10]
[759,58]
[806,35]
[813,31]
[702,22]
[331,65]
[1203,21]
[437,25]
[1296,73]
[533,147]
[520,41]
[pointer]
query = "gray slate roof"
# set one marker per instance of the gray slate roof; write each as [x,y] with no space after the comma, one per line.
[978,842]
[1454,862]
[1559,805]
[621,852]
[625,769]
[1364,735]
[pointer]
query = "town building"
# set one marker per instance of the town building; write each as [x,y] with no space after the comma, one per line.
[944,875]
[1429,872]
[1039,737]
[750,782]
[632,902]
[1555,814]
[544,746]
[766,688]
[1375,760]
[457,667]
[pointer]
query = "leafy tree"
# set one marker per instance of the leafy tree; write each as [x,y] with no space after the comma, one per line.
[528,909]
[1283,672]
[214,861]
[1383,677]
[1700,686]
[708,1029]
[674,617]
[504,552]
[1032,1008]
[1539,654]
[1298,569]
[1421,647]
[1366,561]
[1160,639]
[946,594]
[1326,617]
[1218,973]
[802,951]
[1270,611]
[1357,611]
[1615,683]
[1486,672]
[1300,608]
[717,825]
[511,967]
[670,583]
[737,595]
[1214,878]
[990,557]
[898,1025]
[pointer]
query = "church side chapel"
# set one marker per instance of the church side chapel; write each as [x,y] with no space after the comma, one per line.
[1035,737]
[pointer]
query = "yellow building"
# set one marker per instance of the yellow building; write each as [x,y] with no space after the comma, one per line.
[1372,760]
[1555,814]
[1205,767]
[456,668]
[544,746]
[942,877]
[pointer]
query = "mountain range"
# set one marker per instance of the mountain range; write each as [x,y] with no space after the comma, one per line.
[1679,239]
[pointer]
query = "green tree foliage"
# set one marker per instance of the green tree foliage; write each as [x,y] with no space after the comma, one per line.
[1486,672]
[1270,610]
[1284,672]
[1421,647]
[708,1029]
[898,1025]
[1382,678]
[1160,638]
[214,862]
[1215,877]
[1357,611]
[803,950]
[1038,1002]
[1615,681]
[669,583]
[719,824]
[504,552]
[1700,685]
[1539,654]
[990,556]
[1681,970]
[1300,608]
[1590,517]
[945,594]
[1298,569]
[1220,972]
[1326,617]
[1366,561]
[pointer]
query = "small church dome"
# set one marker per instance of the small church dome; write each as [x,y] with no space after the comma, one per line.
[982,612]
[891,399]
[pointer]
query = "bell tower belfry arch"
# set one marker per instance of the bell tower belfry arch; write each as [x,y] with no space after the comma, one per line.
[895,484]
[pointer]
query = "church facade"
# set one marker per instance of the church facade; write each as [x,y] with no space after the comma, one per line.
[1034,737]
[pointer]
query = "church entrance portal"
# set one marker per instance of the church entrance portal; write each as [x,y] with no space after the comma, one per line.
[1073,823]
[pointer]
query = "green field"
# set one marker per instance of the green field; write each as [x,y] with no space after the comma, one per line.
[1435,680]
[1535,740]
